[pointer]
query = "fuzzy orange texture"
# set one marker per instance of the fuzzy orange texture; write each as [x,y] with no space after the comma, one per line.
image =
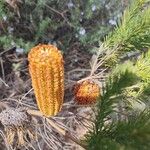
[86,92]
[47,73]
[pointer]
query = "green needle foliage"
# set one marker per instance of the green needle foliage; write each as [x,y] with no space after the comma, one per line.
[133,28]
[128,84]
[141,68]
[114,87]
[143,71]
[131,135]
[111,134]
[132,32]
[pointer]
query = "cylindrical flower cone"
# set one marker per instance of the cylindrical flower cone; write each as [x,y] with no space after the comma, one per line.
[86,92]
[46,68]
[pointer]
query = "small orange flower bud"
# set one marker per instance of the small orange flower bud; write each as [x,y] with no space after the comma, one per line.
[86,92]
[47,73]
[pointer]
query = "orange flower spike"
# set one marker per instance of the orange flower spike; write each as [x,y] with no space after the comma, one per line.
[86,92]
[47,73]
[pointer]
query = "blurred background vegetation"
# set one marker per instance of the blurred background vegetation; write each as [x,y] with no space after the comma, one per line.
[24,23]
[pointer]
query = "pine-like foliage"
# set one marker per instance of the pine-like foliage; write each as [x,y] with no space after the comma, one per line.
[143,67]
[128,84]
[133,29]
[111,134]
[131,34]
[132,135]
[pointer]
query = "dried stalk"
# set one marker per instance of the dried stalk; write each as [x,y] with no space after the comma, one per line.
[64,132]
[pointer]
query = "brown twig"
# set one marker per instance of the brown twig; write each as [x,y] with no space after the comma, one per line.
[7,51]
[60,13]
[4,82]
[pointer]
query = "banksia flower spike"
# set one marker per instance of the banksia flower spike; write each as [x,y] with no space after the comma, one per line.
[86,92]
[47,74]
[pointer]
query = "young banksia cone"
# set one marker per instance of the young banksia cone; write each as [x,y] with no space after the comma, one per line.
[86,92]
[47,73]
